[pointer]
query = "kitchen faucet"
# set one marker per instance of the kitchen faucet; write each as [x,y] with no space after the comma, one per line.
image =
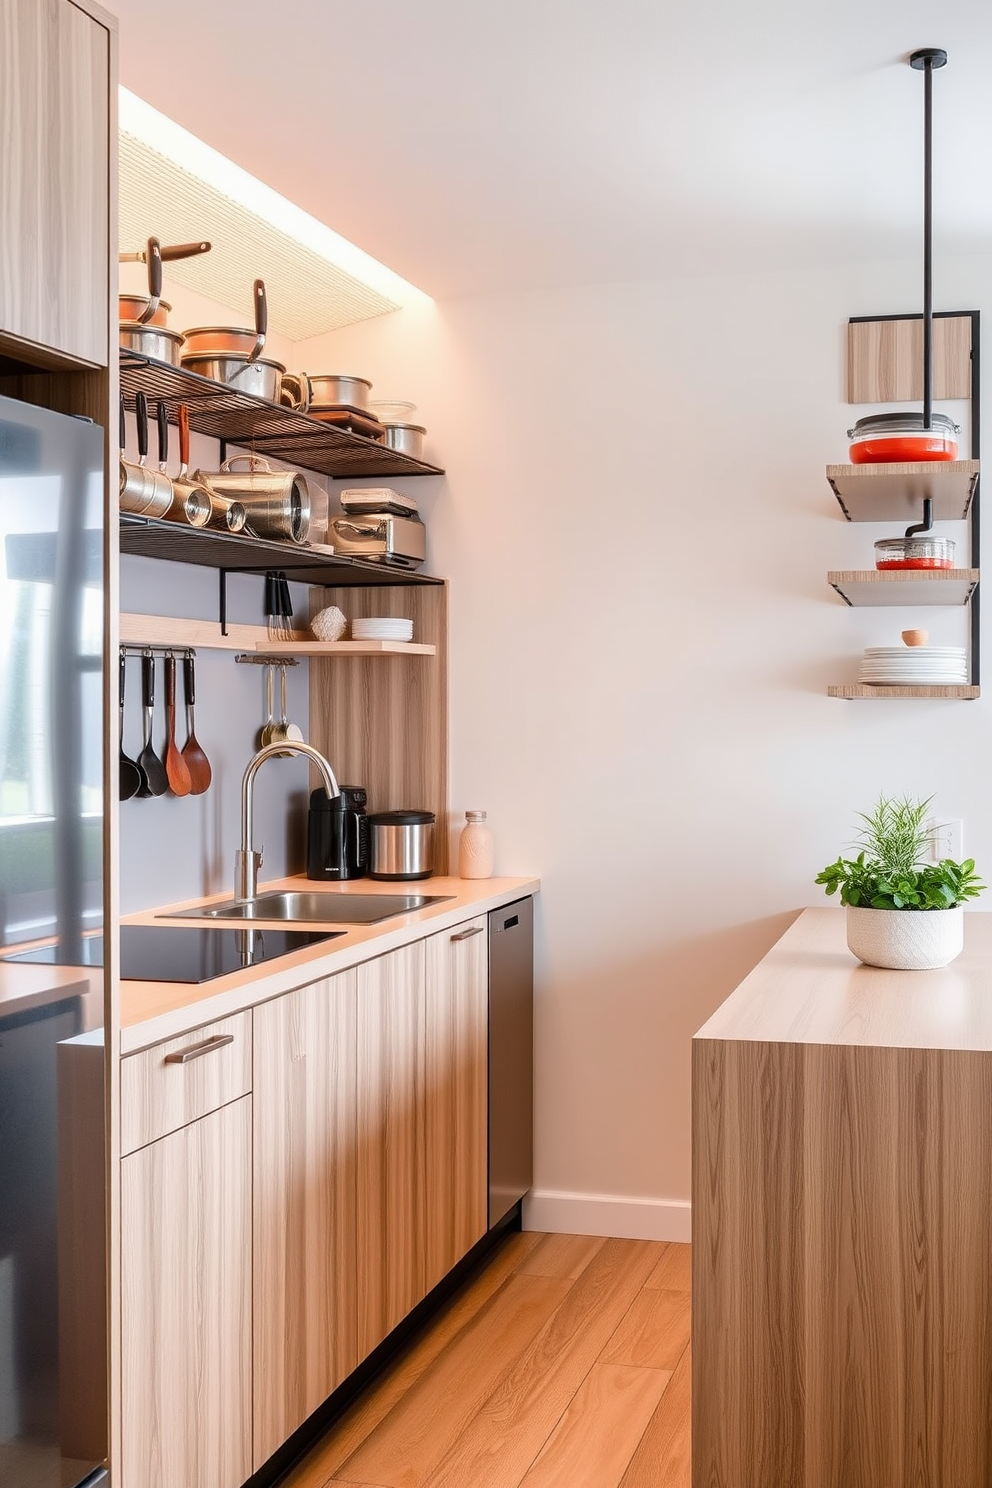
[247,862]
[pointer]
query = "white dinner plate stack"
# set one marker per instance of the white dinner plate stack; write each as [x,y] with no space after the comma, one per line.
[914,666]
[382,628]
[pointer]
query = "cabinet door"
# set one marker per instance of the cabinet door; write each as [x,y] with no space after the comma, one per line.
[455,1107]
[391,1168]
[54,177]
[186,1305]
[305,1299]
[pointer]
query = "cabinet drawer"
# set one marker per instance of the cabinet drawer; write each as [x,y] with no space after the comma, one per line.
[173,1083]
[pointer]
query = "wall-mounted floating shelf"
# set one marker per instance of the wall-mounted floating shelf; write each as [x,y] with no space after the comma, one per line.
[882,493]
[869,587]
[169,631]
[864,690]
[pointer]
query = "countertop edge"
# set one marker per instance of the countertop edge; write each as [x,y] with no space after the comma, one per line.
[153,1011]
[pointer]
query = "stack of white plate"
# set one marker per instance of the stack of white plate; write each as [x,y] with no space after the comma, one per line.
[914,666]
[382,628]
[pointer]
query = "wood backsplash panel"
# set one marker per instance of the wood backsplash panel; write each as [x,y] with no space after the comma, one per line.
[885,360]
[382,721]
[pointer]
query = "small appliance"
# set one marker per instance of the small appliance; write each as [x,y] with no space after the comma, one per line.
[380,537]
[401,844]
[338,835]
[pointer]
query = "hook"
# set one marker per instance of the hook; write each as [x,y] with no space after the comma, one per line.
[927,522]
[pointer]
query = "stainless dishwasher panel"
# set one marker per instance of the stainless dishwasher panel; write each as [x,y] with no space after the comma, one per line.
[511,1056]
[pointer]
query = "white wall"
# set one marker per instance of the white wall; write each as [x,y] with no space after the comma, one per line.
[637,528]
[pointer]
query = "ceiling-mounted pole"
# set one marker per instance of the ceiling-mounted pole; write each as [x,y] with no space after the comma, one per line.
[925,61]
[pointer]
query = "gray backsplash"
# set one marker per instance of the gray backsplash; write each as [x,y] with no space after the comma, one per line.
[179,848]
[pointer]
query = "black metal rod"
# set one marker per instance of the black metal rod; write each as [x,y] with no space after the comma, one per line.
[926,60]
[927,244]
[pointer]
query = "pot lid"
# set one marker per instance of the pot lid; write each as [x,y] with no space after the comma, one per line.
[903,423]
[401,818]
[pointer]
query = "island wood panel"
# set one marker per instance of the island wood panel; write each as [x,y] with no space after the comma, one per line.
[186,1305]
[842,1293]
[383,721]
[885,359]
[305,1236]
[456,1109]
[391,1168]
[55,68]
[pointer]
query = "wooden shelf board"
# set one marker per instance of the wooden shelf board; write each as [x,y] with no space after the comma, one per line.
[167,630]
[346,648]
[882,493]
[861,690]
[904,586]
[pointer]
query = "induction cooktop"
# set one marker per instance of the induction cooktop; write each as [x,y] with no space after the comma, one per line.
[171,953]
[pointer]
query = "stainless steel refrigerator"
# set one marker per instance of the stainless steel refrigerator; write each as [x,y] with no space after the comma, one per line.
[52,1269]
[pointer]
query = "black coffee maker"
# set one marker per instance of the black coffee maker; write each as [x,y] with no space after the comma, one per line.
[338,835]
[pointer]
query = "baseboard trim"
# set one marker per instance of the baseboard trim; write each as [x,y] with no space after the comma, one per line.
[623,1217]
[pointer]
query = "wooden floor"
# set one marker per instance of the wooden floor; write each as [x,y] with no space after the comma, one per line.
[564,1364]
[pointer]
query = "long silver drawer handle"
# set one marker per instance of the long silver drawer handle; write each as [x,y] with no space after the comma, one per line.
[464,934]
[195,1051]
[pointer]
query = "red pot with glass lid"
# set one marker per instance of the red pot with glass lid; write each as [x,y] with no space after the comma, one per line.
[888,437]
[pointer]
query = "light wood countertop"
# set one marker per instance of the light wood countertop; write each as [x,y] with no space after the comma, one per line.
[152,1011]
[24,987]
[810,989]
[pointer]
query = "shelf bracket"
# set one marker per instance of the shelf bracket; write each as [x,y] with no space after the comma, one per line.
[222,600]
[927,522]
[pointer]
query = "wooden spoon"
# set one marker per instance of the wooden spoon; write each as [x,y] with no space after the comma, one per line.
[197,763]
[176,768]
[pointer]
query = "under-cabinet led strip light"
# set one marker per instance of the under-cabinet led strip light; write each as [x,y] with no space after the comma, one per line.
[219,174]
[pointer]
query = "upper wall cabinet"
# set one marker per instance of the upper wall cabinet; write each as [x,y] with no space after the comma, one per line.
[55,119]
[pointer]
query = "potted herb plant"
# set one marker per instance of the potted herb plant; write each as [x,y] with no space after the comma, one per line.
[903,911]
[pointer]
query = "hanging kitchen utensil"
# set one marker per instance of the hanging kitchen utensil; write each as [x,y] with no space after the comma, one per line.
[176,768]
[197,763]
[266,735]
[142,491]
[286,730]
[130,779]
[151,767]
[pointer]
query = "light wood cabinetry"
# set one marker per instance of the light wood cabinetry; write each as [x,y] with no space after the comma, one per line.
[55,148]
[391,1163]
[305,1331]
[455,1208]
[174,1083]
[186,1305]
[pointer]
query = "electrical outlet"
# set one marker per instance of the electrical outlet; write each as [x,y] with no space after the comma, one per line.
[946,839]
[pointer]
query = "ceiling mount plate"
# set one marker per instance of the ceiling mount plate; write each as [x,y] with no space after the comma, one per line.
[935,56]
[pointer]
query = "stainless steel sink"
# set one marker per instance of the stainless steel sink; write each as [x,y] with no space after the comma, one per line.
[315,908]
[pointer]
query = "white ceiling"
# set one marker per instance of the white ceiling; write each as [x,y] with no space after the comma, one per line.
[479,146]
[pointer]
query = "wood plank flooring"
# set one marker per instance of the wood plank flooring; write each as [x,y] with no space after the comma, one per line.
[563,1364]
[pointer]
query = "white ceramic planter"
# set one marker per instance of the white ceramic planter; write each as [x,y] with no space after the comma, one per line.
[905,939]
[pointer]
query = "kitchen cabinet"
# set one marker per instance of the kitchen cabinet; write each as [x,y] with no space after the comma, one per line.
[391,1171]
[306,1145]
[186,1305]
[455,1114]
[55,149]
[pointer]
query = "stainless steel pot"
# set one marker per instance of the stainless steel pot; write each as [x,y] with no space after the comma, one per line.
[151,341]
[222,341]
[261,378]
[146,493]
[132,307]
[277,502]
[405,439]
[316,392]
[401,844]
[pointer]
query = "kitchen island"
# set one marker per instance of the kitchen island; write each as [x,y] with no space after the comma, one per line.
[842,1221]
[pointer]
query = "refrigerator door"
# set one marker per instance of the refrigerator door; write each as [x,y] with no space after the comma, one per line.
[511,1056]
[51,890]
